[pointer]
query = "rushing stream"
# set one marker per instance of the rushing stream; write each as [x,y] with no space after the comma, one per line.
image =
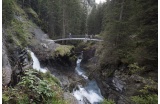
[90,92]
[84,94]
[79,70]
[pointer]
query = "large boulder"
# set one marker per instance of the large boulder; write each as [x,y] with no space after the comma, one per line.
[6,67]
[68,96]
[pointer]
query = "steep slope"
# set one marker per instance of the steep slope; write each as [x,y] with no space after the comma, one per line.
[26,85]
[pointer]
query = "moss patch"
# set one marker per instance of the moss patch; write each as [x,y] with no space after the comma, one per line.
[32,12]
[18,32]
[108,101]
[18,11]
[63,50]
[33,15]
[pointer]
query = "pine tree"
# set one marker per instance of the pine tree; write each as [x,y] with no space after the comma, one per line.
[130,32]
[146,17]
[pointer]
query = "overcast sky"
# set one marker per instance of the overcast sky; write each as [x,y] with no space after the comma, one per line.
[98,1]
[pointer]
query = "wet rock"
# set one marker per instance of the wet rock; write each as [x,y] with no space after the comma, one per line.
[6,75]
[39,34]
[68,96]
[118,84]
[44,45]
[86,101]
[122,101]
[19,18]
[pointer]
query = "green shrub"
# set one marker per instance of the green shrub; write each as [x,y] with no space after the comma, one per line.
[134,68]
[147,99]
[108,101]
[49,77]
[35,88]
[14,96]
[5,98]
[63,50]
[41,88]
[148,94]
[148,89]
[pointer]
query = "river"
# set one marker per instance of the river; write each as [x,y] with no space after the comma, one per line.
[91,91]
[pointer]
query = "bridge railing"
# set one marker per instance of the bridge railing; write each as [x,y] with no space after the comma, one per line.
[77,36]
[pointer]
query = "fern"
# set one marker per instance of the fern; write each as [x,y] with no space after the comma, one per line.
[41,88]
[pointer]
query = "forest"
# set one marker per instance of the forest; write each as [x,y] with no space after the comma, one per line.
[128,53]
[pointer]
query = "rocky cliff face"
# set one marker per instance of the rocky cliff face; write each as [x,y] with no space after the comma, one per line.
[6,67]
[121,86]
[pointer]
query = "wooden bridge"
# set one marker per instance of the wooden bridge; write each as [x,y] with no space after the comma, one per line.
[76,37]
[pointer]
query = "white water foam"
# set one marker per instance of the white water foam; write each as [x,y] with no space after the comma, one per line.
[90,95]
[91,92]
[79,61]
[79,71]
[36,64]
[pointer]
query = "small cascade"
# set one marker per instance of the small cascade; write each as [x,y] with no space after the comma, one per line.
[36,63]
[79,70]
[89,93]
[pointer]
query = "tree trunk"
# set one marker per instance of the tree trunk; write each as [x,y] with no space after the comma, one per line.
[120,19]
[121,12]
[63,24]
[63,33]
[23,4]
[29,3]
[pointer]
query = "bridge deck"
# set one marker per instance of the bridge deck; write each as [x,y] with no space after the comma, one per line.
[87,39]
[77,39]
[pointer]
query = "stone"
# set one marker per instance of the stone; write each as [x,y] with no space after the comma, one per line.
[118,84]
[6,67]
[68,96]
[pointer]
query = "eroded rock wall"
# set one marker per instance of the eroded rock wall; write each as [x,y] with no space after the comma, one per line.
[6,67]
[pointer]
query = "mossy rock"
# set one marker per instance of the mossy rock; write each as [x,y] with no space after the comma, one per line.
[18,11]
[18,32]
[63,50]
[31,12]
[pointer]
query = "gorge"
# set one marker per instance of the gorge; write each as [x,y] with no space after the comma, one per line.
[79,52]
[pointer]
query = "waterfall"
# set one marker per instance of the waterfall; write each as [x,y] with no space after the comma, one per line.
[36,63]
[89,93]
[79,70]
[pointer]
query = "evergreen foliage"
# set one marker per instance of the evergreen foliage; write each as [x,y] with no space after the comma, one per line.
[59,17]
[130,31]
[149,99]
[95,20]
